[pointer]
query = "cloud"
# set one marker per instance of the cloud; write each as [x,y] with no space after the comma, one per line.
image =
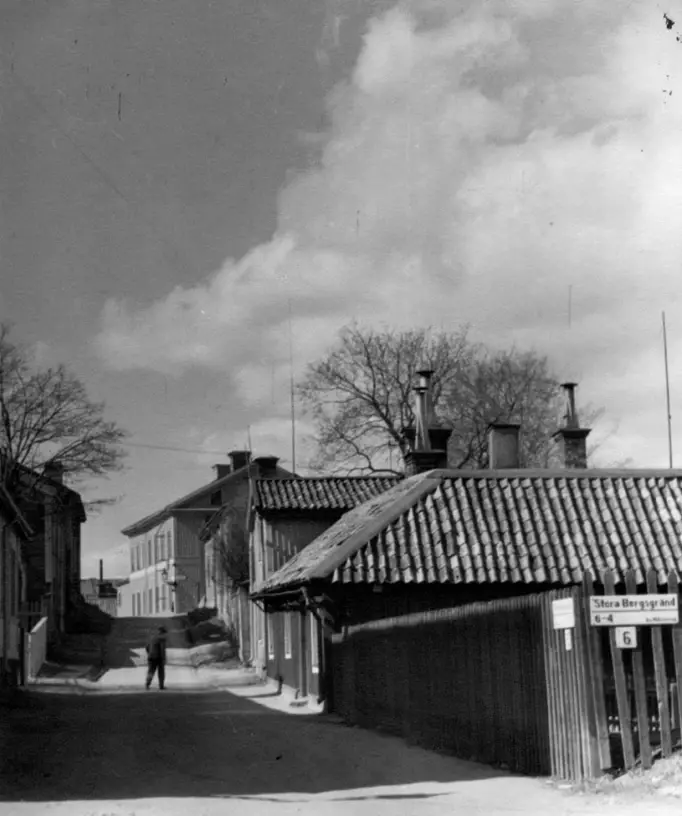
[481,159]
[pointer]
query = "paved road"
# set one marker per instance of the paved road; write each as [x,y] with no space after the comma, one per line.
[168,752]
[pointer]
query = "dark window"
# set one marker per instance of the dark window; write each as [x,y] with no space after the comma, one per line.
[216,498]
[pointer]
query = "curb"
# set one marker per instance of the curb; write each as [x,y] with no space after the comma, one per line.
[85,684]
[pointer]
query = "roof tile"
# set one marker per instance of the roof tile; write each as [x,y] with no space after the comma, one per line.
[319,493]
[540,527]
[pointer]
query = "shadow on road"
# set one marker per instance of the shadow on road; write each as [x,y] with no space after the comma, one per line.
[59,747]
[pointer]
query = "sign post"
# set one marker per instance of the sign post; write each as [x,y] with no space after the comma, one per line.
[634,610]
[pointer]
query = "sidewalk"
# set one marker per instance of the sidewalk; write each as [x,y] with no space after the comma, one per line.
[131,679]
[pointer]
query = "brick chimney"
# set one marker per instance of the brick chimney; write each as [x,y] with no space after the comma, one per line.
[503,446]
[428,440]
[222,470]
[239,458]
[574,437]
[266,466]
[54,471]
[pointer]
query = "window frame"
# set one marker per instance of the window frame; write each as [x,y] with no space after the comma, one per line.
[271,636]
[287,636]
[314,645]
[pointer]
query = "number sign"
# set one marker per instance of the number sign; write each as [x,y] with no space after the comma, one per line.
[626,637]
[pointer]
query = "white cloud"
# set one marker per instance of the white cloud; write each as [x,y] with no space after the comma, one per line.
[479,162]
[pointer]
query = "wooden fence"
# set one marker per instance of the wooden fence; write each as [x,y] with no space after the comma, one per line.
[470,680]
[637,692]
[498,682]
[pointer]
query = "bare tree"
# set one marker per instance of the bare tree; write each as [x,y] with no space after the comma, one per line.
[359,398]
[231,544]
[46,417]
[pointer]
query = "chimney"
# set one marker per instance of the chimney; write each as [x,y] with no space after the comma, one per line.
[267,466]
[101,570]
[427,439]
[222,470]
[239,459]
[574,437]
[54,471]
[503,446]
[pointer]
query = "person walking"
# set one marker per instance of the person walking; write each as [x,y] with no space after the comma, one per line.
[156,658]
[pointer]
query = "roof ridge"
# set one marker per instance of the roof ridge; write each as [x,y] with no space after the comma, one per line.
[322,478]
[558,473]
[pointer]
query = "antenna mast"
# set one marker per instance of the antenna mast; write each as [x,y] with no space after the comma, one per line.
[291,389]
[667,393]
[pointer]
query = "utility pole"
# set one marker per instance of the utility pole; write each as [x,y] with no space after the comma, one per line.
[667,393]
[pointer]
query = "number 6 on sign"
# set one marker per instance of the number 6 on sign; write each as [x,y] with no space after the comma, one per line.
[626,637]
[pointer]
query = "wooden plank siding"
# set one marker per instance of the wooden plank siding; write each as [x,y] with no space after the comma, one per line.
[274,540]
[491,681]
[287,669]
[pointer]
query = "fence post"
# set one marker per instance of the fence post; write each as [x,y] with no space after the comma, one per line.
[674,587]
[662,691]
[639,682]
[587,708]
[596,660]
[622,697]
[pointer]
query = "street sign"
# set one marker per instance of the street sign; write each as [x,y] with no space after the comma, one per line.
[563,614]
[626,637]
[634,610]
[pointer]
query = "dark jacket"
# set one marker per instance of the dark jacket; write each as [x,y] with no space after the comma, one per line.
[156,649]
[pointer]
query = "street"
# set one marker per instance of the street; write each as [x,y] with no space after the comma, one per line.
[186,751]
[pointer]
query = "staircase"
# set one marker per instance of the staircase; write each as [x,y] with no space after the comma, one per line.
[128,637]
[78,649]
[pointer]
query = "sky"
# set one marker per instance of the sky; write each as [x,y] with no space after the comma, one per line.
[183,184]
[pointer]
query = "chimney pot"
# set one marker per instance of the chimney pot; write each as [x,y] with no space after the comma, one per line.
[427,439]
[54,471]
[222,470]
[239,458]
[574,437]
[503,446]
[267,466]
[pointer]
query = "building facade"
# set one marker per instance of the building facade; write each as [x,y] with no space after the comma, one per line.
[286,516]
[14,534]
[56,514]
[167,553]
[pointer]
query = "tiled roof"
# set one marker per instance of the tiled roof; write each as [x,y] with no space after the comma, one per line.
[319,493]
[522,527]
[351,526]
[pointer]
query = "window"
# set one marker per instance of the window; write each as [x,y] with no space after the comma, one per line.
[216,499]
[133,567]
[271,638]
[169,542]
[314,653]
[163,596]
[156,599]
[149,552]
[119,599]
[149,602]
[287,635]
[12,583]
[162,547]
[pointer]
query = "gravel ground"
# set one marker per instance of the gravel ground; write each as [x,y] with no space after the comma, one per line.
[193,751]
